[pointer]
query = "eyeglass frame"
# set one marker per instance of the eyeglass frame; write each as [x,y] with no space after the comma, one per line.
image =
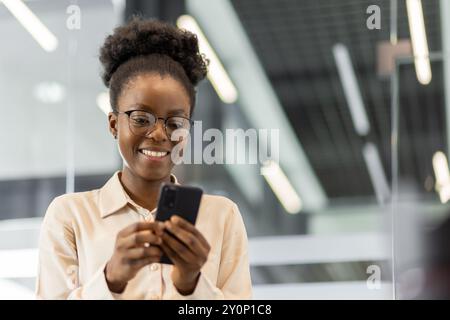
[129,112]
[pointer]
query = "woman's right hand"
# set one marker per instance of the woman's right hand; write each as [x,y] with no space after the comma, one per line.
[134,249]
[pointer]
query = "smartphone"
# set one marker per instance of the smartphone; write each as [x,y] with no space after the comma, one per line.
[182,201]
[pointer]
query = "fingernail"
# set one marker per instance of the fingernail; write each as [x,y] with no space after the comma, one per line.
[174,219]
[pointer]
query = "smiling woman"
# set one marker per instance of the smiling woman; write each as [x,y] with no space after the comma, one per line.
[99,244]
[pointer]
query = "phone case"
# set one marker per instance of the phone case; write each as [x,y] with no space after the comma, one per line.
[183,201]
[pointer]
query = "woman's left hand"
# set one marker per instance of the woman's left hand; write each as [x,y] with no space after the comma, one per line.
[188,251]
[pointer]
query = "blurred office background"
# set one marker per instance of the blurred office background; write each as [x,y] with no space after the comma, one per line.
[360,130]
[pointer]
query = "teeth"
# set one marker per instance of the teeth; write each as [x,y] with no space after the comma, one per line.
[153,153]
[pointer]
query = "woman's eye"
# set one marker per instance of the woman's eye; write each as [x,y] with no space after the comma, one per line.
[140,121]
[175,124]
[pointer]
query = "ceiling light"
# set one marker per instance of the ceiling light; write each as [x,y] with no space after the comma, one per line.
[441,171]
[351,89]
[419,41]
[32,24]
[376,172]
[281,186]
[49,92]
[217,74]
[103,102]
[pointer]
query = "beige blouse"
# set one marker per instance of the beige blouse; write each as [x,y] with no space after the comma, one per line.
[78,236]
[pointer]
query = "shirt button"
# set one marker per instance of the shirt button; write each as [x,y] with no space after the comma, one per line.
[144,214]
[154,267]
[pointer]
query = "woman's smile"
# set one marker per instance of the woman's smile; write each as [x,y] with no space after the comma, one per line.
[154,156]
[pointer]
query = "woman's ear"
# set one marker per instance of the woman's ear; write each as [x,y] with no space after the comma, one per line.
[112,119]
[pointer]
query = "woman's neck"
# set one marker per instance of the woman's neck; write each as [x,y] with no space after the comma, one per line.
[144,192]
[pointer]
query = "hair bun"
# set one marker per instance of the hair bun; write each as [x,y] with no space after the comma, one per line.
[145,37]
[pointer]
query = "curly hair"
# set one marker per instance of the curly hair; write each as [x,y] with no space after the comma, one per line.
[151,46]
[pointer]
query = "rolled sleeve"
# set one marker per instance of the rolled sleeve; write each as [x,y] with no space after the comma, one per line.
[95,289]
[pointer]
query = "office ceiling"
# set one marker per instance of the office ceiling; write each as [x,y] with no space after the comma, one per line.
[294,41]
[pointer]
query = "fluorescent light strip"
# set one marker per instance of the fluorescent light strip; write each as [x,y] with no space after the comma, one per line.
[281,186]
[440,167]
[376,172]
[103,102]
[419,41]
[32,24]
[351,89]
[441,171]
[444,193]
[216,72]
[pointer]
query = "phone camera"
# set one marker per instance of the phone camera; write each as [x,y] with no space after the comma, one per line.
[170,198]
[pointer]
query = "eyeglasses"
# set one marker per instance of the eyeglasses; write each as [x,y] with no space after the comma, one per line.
[143,122]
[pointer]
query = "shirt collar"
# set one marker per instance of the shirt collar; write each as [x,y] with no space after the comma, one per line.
[113,196]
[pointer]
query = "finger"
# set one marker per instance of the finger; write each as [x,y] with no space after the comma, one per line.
[142,253]
[135,227]
[138,264]
[186,237]
[179,221]
[176,259]
[140,238]
[179,248]
[157,227]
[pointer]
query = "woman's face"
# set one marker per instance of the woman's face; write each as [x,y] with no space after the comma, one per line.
[162,96]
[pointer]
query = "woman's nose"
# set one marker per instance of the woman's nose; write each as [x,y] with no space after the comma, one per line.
[158,132]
